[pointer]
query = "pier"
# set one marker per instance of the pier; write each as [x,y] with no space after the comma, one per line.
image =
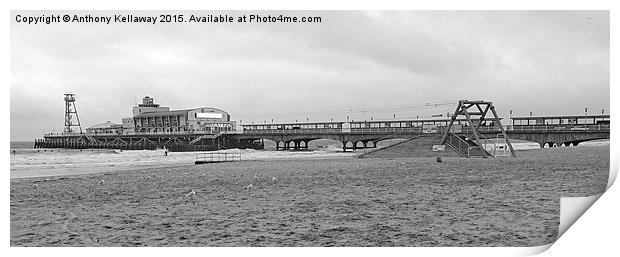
[473,130]
[296,136]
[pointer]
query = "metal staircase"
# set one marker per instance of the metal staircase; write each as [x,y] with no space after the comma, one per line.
[465,147]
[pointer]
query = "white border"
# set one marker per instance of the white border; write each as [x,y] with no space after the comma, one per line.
[595,232]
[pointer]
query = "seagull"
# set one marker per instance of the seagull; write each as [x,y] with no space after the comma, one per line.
[192,193]
[203,174]
[274,179]
[35,185]
[100,182]
[148,177]
[250,186]
[255,175]
[141,177]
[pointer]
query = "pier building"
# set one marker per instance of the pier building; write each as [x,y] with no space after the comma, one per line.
[105,128]
[152,118]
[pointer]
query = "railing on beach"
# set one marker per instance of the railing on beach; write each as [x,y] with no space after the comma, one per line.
[217,157]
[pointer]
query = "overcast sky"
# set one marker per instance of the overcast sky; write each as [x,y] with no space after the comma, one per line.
[358,64]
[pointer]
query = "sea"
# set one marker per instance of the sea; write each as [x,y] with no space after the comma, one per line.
[27,161]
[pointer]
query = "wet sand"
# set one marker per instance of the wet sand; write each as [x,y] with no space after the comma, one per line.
[326,202]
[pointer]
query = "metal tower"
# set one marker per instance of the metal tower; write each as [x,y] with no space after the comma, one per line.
[70,112]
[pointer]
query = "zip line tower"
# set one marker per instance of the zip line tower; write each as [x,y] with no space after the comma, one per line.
[475,113]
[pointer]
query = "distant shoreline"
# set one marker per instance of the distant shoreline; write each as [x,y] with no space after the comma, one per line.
[53,172]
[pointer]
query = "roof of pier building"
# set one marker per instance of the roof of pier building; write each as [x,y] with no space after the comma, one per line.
[105,125]
[181,112]
[163,113]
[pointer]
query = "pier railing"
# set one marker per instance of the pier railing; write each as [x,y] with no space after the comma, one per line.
[559,128]
[139,133]
[419,130]
[293,131]
[379,130]
[335,130]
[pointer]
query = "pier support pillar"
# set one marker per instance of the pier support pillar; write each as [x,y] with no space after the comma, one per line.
[297,145]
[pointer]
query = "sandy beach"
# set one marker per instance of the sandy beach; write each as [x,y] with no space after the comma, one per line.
[313,202]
